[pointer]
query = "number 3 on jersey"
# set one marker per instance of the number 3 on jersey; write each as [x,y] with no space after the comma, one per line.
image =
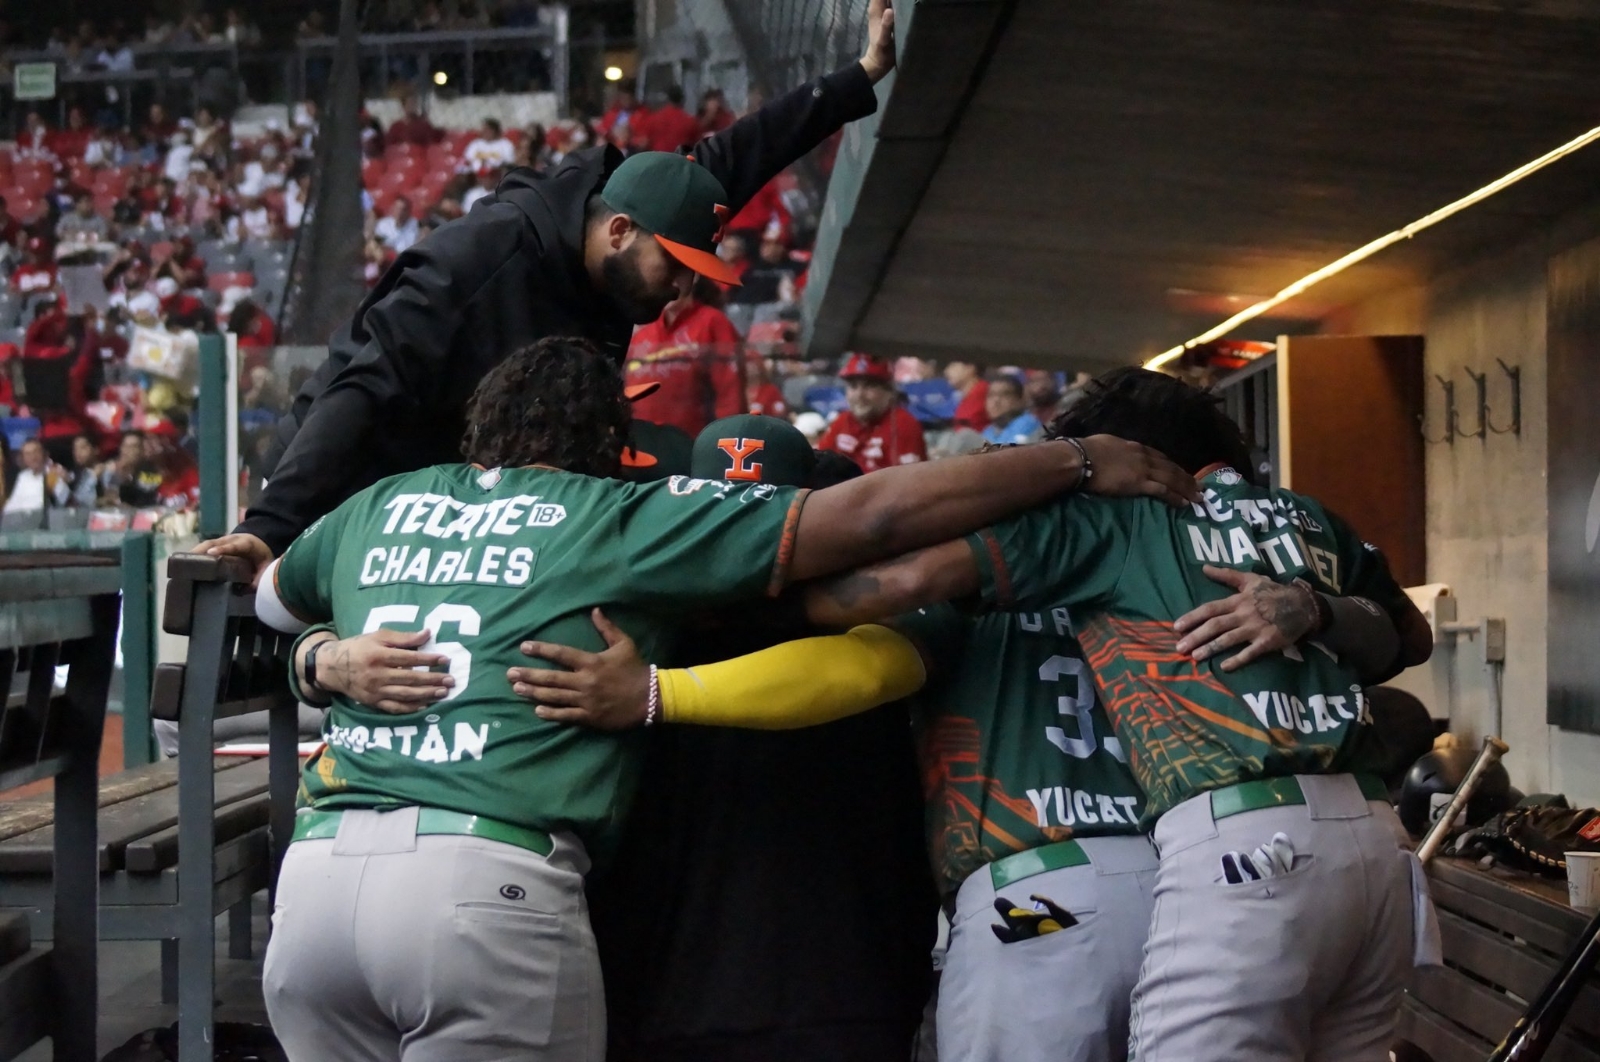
[1080,706]
[464,617]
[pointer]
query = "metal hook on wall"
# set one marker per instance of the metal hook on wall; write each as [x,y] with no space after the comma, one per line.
[1515,376]
[1480,380]
[1449,436]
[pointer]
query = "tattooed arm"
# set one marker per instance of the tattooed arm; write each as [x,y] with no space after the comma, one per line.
[1265,616]
[383,669]
[901,584]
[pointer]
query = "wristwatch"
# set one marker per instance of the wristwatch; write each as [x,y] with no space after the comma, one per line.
[311,665]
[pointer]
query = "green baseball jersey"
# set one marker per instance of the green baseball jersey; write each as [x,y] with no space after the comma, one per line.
[1016,749]
[1129,567]
[485,560]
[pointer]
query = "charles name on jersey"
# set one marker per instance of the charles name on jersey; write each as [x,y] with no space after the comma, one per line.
[446,519]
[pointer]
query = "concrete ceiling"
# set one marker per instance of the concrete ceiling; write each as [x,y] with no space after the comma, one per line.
[1052,181]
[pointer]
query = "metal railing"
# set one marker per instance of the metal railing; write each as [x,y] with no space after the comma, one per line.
[472,61]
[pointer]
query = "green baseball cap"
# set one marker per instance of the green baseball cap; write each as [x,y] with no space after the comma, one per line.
[752,449]
[677,201]
[655,451]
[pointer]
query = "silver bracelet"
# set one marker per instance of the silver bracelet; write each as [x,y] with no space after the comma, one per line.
[1086,470]
[652,704]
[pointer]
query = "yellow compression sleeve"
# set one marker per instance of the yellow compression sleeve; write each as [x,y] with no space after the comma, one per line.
[796,684]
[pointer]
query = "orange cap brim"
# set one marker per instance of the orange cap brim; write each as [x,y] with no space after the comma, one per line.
[632,458]
[703,262]
[634,392]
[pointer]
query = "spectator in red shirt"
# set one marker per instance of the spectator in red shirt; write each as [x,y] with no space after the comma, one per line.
[758,214]
[876,431]
[763,396]
[625,109]
[971,412]
[181,263]
[70,143]
[715,115]
[35,272]
[672,127]
[412,127]
[255,330]
[692,350]
[159,127]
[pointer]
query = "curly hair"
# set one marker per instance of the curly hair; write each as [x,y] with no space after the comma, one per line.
[1166,414]
[558,402]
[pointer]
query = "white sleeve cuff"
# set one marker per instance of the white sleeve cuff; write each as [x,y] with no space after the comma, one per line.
[270,608]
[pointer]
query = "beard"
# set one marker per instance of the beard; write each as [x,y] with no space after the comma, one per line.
[628,290]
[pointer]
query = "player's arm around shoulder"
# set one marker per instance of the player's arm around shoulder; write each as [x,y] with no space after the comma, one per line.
[793,684]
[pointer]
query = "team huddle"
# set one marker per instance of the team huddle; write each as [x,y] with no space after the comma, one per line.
[634,752]
[1120,831]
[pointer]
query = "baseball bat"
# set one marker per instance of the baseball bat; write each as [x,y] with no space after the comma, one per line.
[1534,1032]
[1488,756]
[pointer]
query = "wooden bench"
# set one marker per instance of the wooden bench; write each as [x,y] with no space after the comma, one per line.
[235,665]
[137,854]
[55,610]
[183,840]
[1505,933]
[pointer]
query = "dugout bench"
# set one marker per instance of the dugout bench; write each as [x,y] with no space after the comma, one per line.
[1504,933]
[183,840]
[56,609]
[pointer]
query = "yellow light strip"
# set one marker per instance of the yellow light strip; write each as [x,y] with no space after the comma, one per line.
[1362,253]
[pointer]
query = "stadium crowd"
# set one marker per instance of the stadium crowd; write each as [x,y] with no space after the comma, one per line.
[120,246]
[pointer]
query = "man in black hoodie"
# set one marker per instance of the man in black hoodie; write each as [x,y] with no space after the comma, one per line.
[550,255]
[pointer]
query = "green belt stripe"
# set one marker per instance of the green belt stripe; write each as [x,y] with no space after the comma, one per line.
[1278,792]
[1014,868]
[432,822]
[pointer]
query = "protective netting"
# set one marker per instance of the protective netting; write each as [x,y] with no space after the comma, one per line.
[790,41]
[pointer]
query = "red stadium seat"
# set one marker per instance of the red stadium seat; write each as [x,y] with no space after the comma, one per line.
[109,182]
[396,152]
[224,281]
[516,136]
[32,180]
[5,161]
[80,174]
[104,204]
[372,171]
[402,165]
[24,207]
[440,156]
[461,138]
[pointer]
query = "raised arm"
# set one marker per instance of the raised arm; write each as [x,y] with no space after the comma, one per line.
[756,148]
[946,572]
[906,508]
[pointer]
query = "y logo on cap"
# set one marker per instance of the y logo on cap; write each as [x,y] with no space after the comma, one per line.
[739,452]
[721,210]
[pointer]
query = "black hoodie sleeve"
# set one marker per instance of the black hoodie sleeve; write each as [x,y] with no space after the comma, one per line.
[389,366]
[756,148]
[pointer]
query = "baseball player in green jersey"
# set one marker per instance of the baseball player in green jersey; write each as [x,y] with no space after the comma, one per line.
[1031,808]
[1287,911]
[1028,792]
[431,906]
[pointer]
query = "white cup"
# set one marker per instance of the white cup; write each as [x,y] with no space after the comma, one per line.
[1583,879]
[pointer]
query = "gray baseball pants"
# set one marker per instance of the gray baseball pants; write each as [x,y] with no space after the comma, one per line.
[389,947]
[1062,997]
[1308,965]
